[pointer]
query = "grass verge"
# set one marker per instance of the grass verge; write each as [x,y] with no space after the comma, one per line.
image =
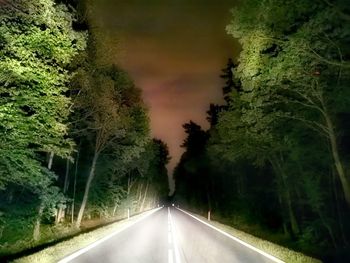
[57,252]
[285,254]
[62,249]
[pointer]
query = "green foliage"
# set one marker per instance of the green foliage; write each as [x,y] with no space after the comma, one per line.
[278,148]
[37,43]
[62,96]
[110,121]
[191,174]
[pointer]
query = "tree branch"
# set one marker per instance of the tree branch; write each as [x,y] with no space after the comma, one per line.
[318,127]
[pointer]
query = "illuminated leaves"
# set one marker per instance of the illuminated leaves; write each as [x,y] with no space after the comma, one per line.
[37,43]
[294,70]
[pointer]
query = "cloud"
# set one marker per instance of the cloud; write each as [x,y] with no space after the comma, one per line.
[174,50]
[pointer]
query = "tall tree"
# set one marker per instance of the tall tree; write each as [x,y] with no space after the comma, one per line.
[231,81]
[107,95]
[296,56]
[37,44]
[191,174]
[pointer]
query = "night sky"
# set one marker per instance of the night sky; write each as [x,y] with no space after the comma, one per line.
[174,50]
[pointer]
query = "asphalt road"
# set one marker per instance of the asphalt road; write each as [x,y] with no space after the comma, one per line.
[170,236]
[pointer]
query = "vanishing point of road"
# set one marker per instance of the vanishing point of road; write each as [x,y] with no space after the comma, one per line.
[171,235]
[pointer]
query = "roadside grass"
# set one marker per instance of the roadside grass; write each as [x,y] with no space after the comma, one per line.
[285,254]
[20,243]
[17,237]
[65,248]
[57,252]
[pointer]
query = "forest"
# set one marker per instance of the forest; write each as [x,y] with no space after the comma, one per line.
[275,160]
[75,143]
[76,150]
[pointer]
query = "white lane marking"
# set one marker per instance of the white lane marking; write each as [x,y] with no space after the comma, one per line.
[176,249]
[96,243]
[170,251]
[170,256]
[235,239]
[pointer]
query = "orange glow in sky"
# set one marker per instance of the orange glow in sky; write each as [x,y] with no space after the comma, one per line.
[174,51]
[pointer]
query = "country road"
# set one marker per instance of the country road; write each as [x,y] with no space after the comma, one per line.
[170,235]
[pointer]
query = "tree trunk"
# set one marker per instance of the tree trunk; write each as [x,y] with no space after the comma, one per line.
[75,184]
[36,231]
[292,218]
[144,197]
[60,211]
[10,196]
[139,193]
[286,196]
[285,230]
[328,227]
[87,189]
[345,183]
[49,164]
[129,185]
[337,206]
[114,209]
[66,178]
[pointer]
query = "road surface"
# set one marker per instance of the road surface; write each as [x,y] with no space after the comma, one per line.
[171,236]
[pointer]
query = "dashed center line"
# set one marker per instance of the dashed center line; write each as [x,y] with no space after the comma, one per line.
[170,256]
[169,239]
[170,250]
[172,238]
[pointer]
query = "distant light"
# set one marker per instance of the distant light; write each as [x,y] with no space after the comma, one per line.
[173,204]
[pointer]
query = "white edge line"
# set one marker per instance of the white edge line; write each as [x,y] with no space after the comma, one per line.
[235,238]
[173,230]
[96,243]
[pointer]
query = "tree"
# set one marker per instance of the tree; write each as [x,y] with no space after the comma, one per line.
[231,82]
[301,66]
[191,174]
[37,44]
[106,94]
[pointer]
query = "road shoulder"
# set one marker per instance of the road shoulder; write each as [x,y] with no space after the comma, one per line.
[81,242]
[280,252]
